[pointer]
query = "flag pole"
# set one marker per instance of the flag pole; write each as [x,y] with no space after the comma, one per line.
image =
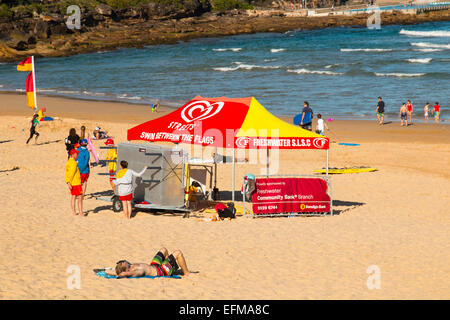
[34,84]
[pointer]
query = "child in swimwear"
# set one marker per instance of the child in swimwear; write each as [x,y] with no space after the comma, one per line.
[155,107]
[436,111]
[403,115]
[426,110]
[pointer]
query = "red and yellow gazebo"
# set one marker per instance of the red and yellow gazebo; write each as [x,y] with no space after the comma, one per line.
[238,123]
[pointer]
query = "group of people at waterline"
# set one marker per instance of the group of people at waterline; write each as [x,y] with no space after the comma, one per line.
[406,112]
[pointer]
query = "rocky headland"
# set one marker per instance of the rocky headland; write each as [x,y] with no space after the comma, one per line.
[44,32]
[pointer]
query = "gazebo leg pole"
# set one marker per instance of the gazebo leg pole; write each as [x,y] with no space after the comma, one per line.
[327,163]
[267,163]
[234,173]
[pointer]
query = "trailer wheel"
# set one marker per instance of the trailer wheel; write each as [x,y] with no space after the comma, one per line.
[117,205]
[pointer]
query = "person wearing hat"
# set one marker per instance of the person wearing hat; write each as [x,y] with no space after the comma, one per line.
[73,181]
[111,158]
[97,134]
[83,163]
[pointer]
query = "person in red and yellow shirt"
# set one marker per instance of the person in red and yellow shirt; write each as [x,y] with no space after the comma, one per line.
[437,112]
[73,181]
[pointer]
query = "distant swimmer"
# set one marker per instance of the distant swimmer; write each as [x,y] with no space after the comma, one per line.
[380,111]
[404,115]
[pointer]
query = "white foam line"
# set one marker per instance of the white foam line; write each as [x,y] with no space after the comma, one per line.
[430,45]
[395,74]
[425,33]
[424,60]
[366,50]
[306,71]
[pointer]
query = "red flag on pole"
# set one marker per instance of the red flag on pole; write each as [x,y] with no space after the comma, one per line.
[25,65]
[29,88]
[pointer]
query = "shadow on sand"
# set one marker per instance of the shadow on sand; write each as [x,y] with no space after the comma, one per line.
[9,170]
[348,205]
[48,142]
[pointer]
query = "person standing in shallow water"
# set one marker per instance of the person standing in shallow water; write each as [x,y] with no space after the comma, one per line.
[410,110]
[380,111]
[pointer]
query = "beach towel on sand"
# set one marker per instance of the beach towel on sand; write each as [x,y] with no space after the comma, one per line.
[104,275]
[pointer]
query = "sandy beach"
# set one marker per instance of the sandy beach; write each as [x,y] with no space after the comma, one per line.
[395,218]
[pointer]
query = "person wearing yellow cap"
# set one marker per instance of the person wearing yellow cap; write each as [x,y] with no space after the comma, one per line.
[73,181]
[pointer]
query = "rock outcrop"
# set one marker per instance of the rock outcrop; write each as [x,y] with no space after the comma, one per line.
[25,32]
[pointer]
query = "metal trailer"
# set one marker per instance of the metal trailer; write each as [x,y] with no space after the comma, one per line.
[162,186]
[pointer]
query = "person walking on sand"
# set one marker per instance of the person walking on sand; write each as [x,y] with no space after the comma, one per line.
[124,183]
[380,111]
[161,265]
[437,112]
[307,116]
[403,115]
[155,107]
[83,163]
[426,110]
[410,110]
[73,181]
[34,124]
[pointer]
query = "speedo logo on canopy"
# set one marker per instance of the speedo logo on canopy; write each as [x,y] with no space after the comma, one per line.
[201,110]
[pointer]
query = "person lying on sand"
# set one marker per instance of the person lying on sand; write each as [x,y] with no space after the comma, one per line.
[162,264]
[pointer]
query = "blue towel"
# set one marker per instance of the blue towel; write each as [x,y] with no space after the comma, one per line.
[107,276]
[349,144]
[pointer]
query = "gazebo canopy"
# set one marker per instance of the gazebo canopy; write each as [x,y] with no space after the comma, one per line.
[227,123]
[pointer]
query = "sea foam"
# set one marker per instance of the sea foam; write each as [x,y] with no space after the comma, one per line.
[306,71]
[430,45]
[424,60]
[366,50]
[228,49]
[244,66]
[425,33]
[398,74]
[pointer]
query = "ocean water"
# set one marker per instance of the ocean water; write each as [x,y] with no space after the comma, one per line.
[339,71]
